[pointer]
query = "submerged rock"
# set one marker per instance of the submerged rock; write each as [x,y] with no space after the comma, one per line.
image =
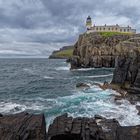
[97,128]
[22,126]
[82,85]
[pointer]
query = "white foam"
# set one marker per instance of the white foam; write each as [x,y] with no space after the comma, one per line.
[29,71]
[83,69]
[63,68]
[99,76]
[10,107]
[48,77]
[98,102]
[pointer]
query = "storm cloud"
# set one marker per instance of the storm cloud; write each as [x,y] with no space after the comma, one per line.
[34,28]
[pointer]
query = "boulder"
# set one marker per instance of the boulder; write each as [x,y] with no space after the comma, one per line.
[82,85]
[22,126]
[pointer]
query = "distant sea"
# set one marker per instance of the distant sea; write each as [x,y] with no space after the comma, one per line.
[49,87]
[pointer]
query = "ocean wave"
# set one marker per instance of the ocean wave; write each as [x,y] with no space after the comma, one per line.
[48,77]
[63,68]
[99,76]
[95,102]
[83,69]
[95,76]
[89,69]
[29,71]
[11,107]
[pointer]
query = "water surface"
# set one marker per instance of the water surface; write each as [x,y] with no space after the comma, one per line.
[49,87]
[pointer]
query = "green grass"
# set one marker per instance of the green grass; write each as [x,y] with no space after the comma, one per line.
[65,53]
[108,34]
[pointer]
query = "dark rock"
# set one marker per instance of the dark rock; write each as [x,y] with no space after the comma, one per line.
[127,72]
[75,62]
[121,70]
[138,108]
[95,50]
[98,117]
[22,126]
[1,115]
[128,133]
[97,128]
[135,88]
[82,129]
[82,85]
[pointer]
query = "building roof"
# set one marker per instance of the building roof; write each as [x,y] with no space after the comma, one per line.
[88,18]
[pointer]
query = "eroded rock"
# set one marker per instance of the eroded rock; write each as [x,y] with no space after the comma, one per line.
[97,128]
[95,50]
[22,126]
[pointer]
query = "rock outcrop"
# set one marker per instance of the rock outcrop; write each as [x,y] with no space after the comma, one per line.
[22,126]
[97,128]
[127,70]
[96,50]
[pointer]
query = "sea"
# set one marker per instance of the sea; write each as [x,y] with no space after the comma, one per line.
[49,86]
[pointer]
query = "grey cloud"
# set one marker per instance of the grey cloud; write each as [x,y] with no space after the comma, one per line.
[37,27]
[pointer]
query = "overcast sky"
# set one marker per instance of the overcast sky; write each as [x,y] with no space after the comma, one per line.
[34,28]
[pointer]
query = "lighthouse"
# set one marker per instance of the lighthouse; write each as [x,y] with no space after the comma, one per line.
[107,28]
[88,23]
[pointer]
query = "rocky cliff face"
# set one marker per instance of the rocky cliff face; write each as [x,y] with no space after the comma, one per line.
[127,74]
[127,70]
[22,126]
[97,128]
[96,50]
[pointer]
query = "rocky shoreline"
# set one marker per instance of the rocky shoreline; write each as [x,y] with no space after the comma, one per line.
[125,57]
[97,128]
[24,126]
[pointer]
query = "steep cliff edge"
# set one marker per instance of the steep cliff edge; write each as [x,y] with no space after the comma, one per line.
[127,74]
[98,50]
[127,69]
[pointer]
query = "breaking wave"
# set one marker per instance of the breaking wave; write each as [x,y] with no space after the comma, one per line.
[88,103]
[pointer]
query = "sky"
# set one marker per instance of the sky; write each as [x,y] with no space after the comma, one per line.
[34,28]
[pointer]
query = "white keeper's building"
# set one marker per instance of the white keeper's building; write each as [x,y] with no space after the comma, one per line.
[107,28]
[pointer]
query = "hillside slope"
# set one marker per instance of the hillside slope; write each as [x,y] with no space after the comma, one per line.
[64,53]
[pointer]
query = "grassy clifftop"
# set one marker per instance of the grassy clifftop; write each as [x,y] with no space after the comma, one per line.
[108,34]
[63,53]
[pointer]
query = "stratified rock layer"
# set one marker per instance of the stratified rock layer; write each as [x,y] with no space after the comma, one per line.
[96,50]
[97,128]
[22,126]
[127,72]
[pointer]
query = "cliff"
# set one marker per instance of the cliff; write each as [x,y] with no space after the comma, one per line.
[99,49]
[22,126]
[97,128]
[127,76]
[64,53]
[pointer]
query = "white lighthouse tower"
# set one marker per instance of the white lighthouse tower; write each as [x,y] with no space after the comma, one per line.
[88,23]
